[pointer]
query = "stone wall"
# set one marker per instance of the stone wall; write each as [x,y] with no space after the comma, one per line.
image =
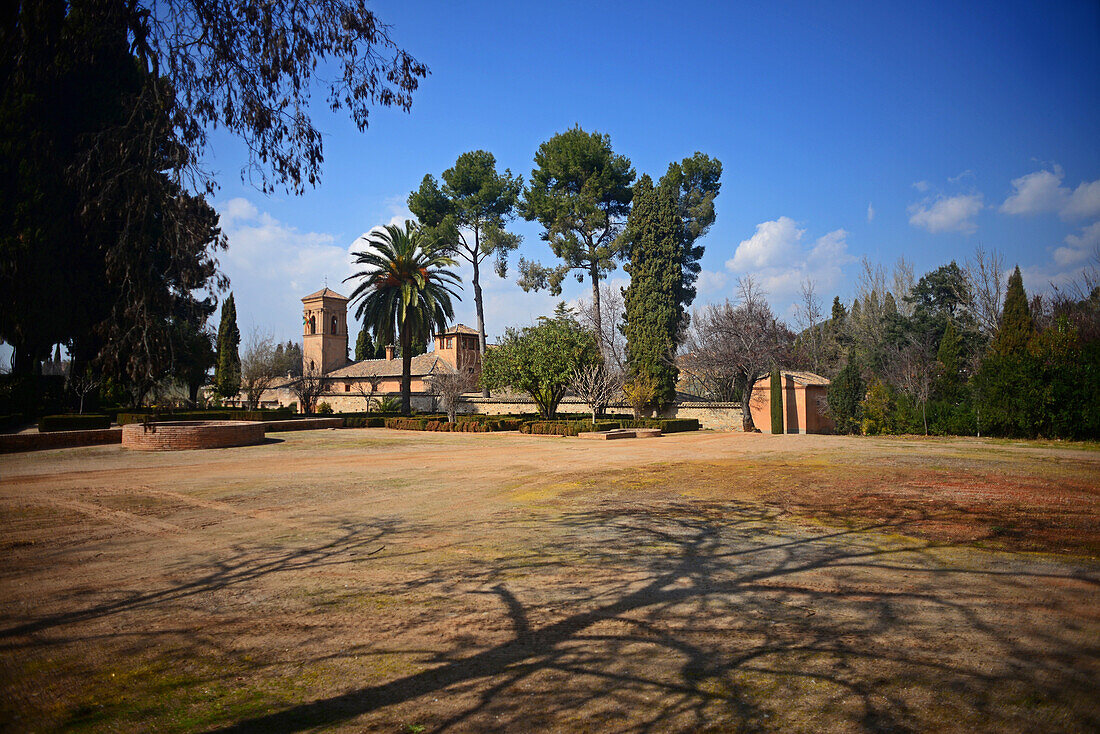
[719,416]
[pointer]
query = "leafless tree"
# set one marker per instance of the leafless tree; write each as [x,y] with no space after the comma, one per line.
[911,368]
[611,339]
[597,385]
[902,286]
[740,341]
[985,279]
[308,388]
[809,316]
[367,387]
[449,386]
[261,365]
[83,384]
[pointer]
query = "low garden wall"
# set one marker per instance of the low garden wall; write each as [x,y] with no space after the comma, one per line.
[179,436]
[717,416]
[15,442]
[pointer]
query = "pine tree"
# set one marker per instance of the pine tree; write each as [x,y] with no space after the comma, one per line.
[227,371]
[776,401]
[364,346]
[654,300]
[1017,328]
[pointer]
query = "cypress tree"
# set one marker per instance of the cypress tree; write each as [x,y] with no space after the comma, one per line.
[227,371]
[776,401]
[364,346]
[1017,328]
[949,353]
[845,394]
[654,300]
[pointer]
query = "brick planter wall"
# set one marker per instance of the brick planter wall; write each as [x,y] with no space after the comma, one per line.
[176,436]
[11,443]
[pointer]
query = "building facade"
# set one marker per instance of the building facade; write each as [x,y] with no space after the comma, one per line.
[351,386]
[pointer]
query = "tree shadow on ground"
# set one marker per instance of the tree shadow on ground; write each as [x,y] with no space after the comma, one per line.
[697,616]
[243,565]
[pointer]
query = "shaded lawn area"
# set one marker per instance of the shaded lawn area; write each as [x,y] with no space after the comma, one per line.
[387,581]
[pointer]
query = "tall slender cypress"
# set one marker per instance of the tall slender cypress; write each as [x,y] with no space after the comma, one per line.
[654,300]
[776,401]
[227,371]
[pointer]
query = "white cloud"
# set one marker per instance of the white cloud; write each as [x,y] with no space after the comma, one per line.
[965,174]
[772,244]
[711,282]
[1084,202]
[870,212]
[921,186]
[271,265]
[1042,191]
[946,213]
[1079,247]
[781,275]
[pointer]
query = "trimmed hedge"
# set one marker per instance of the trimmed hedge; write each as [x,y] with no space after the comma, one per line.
[209,415]
[440,424]
[49,423]
[572,428]
[363,421]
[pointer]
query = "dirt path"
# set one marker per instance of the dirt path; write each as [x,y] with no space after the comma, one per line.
[388,581]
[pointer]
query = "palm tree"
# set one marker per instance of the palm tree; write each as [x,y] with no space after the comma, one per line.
[405,289]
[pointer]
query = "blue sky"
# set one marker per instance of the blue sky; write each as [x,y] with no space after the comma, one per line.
[845,129]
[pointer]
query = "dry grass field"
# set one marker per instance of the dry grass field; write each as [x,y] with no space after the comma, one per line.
[373,580]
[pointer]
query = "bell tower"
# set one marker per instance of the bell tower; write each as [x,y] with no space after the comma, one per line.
[324,331]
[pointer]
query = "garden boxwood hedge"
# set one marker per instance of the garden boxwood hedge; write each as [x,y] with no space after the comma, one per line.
[87,422]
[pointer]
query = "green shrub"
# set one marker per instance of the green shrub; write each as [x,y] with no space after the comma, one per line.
[50,423]
[324,408]
[371,421]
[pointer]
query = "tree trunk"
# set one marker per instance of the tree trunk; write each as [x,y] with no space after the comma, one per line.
[406,371]
[480,314]
[597,314]
[746,406]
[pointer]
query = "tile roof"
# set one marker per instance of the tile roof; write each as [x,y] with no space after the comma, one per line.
[458,329]
[325,292]
[422,365]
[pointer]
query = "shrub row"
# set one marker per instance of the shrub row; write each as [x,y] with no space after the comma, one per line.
[49,423]
[363,421]
[572,428]
[439,423]
[208,415]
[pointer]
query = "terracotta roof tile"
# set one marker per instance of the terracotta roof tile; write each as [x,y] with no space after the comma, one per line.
[325,292]
[422,365]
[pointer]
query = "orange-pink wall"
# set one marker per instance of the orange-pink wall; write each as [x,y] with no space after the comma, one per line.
[804,407]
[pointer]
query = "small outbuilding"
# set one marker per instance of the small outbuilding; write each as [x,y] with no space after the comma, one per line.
[805,409]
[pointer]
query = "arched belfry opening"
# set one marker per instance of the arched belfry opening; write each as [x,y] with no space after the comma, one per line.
[325,339]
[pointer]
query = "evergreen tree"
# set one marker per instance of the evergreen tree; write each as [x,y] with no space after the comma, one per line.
[1017,327]
[839,314]
[949,356]
[364,346]
[846,392]
[654,300]
[227,371]
[776,401]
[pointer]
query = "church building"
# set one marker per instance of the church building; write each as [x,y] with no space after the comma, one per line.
[350,385]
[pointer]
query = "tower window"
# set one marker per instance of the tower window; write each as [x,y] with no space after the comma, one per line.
[312,324]
[334,323]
